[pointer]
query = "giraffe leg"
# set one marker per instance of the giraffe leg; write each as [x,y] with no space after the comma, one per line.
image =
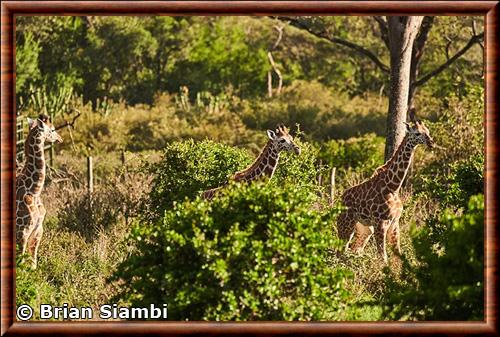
[394,239]
[363,235]
[37,233]
[22,233]
[34,243]
[380,236]
[346,227]
[27,223]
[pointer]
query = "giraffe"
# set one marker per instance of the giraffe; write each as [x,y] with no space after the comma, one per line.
[30,211]
[374,206]
[266,162]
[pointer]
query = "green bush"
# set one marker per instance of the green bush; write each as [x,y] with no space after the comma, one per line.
[299,170]
[447,282]
[464,179]
[187,168]
[365,152]
[31,287]
[257,252]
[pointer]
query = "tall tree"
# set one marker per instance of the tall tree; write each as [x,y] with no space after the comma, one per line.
[401,31]
[405,38]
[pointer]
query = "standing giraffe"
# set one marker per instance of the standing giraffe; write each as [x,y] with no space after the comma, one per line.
[374,206]
[30,211]
[266,162]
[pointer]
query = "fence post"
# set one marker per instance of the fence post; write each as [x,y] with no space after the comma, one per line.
[332,184]
[319,172]
[51,156]
[90,175]
[123,160]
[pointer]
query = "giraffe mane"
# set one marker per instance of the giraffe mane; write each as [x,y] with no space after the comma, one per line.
[252,166]
[384,167]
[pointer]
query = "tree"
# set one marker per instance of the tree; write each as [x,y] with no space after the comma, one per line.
[401,34]
[405,38]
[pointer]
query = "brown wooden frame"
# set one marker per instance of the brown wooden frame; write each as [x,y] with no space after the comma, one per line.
[9,9]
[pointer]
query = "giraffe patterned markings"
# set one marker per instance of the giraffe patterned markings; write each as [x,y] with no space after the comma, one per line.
[267,161]
[376,202]
[30,212]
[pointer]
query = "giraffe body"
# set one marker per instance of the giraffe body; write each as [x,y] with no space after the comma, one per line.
[267,161]
[30,211]
[374,206]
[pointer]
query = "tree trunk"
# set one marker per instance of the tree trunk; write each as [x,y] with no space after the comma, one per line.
[402,33]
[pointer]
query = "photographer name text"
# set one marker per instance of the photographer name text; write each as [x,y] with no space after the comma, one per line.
[105,311]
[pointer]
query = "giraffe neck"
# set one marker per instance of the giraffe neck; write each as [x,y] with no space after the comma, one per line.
[264,165]
[398,165]
[34,165]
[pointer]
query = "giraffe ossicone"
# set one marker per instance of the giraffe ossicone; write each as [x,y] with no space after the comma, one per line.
[267,161]
[374,206]
[30,211]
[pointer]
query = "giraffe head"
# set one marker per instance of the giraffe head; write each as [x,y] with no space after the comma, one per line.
[283,140]
[45,128]
[419,133]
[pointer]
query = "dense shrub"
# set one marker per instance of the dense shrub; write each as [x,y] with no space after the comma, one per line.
[460,126]
[464,179]
[299,170]
[31,288]
[447,283]
[365,152]
[257,252]
[188,168]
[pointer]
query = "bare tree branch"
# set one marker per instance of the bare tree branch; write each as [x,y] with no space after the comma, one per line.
[480,44]
[273,64]
[323,35]
[418,52]
[67,123]
[384,34]
[473,40]
[419,44]
[280,36]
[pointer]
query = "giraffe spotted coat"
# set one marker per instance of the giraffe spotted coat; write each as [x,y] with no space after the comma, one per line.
[30,211]
[266,162]
[374,206]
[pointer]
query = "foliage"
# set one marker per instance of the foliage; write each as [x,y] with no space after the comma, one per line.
[299,170]
[459,164]
[31,289]
[189,96]
[188,168]
[448,35]
[213,53]
[465,179]
[447,283]
[254,253]
[27,52]
[458,124]
[52,103]
[365,152]
[219,54]
[321,112]
[106,73]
